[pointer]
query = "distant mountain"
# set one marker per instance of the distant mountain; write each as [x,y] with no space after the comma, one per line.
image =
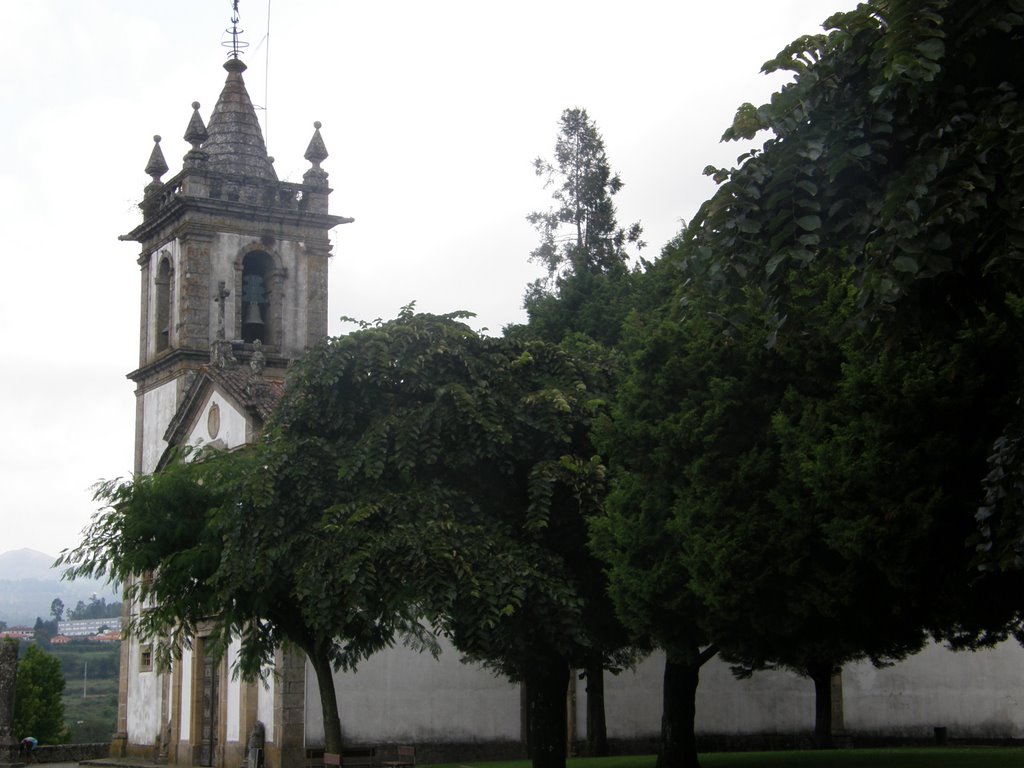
[27,564]
[29,583]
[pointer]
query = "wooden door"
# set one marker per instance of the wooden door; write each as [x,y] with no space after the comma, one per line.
[208,707]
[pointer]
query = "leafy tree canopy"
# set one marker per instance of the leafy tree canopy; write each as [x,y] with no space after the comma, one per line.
[582,246]
[38,706]
[475,451]
[897,150]
[414,473]
[806,422]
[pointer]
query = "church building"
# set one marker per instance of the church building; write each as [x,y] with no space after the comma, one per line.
[233,268]
[233,265]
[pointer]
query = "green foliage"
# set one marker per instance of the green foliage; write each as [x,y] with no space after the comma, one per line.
[91,686]
[801,440]
[894,169]
[583,248]
[898,150]
[160,536]
[96,608]
[38,708]
[91,718]
[87,659]
[467,457]
[414,473]
[44,631]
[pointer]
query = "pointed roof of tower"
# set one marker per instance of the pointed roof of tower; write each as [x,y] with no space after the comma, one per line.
[235,145]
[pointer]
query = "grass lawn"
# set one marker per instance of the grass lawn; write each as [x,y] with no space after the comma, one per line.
[904,757]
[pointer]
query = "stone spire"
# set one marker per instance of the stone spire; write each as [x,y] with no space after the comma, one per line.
[157,166]
[195,134]
[316,153]
[234,145]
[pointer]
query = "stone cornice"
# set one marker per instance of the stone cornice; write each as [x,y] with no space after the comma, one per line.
[168,363]
[163,368]
[257,200]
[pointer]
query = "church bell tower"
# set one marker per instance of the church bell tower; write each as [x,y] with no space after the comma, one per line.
[233,267]
[233,261]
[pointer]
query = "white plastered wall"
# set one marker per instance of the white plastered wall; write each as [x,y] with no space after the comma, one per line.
[143,698]
[770,702]
[234,695]
[976,694]
[233,424]
[265,705]
[158,408]
[401,695]
[185,722]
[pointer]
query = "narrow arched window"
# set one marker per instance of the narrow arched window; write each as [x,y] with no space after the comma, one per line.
[256,269]
[163,305]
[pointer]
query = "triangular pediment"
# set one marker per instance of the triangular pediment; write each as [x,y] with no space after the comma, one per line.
[223,407]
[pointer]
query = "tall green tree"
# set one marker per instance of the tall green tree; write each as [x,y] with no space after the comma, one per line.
[209,539]
[587,294]
[648,580]
[584,250]
[475,451]
[889,179]
[898,152]
[38,706]
[414,473]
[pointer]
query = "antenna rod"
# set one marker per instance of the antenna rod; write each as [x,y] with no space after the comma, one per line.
[236,45]
[266,77]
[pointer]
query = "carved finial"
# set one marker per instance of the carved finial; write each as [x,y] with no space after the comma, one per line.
[195,134]
[316,153]
[157,166]
[236,45]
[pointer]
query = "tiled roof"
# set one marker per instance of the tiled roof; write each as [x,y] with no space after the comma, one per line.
[256,394]
[234,143]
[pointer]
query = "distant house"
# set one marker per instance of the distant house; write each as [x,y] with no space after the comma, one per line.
[19,633]
[86,627]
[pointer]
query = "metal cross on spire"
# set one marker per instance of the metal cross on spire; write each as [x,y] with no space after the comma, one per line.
[236,45]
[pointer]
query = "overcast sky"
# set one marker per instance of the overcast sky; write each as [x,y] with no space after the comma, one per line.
[432,114]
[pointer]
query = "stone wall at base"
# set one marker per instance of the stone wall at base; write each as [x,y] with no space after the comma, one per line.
[70,753]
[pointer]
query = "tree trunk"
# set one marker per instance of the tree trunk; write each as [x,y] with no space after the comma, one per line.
[328,699]
[678,748]
[597,727]
[547,684]
[821,674]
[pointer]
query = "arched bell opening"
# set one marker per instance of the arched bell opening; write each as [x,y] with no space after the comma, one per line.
[255,306]
[162,284]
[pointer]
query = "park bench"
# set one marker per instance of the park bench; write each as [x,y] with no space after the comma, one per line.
[400,756]
[404,756]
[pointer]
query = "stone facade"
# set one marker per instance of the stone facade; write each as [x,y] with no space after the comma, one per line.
[233,266]
[8,683]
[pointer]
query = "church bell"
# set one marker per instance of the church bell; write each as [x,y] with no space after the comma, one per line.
[253,316]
